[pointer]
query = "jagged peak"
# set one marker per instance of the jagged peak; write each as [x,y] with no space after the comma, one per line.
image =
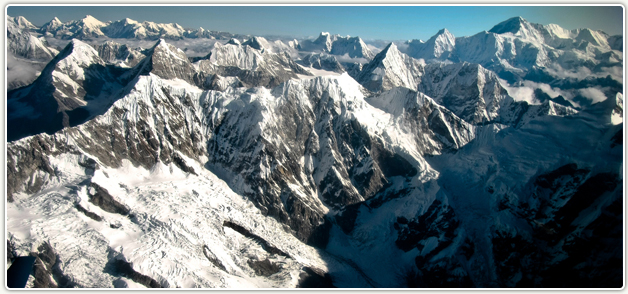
[162,46]
[391,48]
[325,37]
[443,31]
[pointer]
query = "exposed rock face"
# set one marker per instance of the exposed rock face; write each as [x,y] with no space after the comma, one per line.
[101,198]
[314,278]
[42,269]
[121,54]
[468,90]
[253,67]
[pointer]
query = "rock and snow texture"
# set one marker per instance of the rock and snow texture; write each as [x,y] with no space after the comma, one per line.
[246,169]
[253,65]
[469,90]
[119,54]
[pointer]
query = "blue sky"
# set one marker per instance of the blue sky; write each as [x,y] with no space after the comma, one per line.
[368,22]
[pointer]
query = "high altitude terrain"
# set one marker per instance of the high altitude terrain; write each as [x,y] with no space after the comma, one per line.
[493,160]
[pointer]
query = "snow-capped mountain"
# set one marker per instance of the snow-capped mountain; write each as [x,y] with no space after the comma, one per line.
[440,46]
[130,29]
[515,47]
[253,67]
[338,45]
[391,68]
[277,46]
[91,28]
[257,166]
[87,27]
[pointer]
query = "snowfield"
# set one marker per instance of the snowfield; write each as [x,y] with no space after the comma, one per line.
[174,216]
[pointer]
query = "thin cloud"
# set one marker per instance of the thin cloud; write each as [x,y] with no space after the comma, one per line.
[593,94]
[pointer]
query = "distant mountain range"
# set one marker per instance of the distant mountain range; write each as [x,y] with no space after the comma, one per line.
[493,160]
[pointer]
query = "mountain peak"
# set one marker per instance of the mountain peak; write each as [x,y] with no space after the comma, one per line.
[443,31]
[511,25]
[83,53]
[130,21]
[390,48]
[92,21]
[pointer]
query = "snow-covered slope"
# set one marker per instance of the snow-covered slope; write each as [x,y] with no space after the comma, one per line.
[277,46]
